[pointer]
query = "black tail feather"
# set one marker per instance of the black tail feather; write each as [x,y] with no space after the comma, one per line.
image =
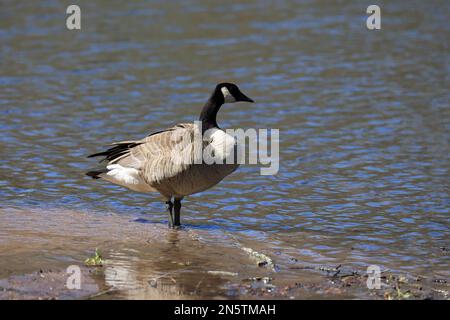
[115,152]
[94,174]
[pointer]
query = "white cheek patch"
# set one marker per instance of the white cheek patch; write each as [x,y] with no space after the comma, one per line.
[227,96]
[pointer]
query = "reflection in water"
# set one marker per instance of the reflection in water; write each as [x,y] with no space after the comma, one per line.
[363,119]
[141,260]
[178,267]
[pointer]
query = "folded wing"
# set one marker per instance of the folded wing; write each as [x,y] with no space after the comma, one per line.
[141,164]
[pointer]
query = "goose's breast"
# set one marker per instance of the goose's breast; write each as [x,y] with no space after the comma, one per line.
[220,144]
[200,177]
[219,160]
[224,150]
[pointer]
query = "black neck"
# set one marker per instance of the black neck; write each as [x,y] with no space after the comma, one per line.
[209,112]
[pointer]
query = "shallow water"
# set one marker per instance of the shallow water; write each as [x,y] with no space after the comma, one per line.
[363,118]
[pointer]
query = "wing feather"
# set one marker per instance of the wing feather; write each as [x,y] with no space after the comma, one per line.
[161,155]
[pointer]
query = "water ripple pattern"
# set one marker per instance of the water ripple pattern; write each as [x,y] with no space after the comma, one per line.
[363,116]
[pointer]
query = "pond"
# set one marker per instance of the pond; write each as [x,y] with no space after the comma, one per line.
[363,117]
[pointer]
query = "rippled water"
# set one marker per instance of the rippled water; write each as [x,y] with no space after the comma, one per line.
[363,116]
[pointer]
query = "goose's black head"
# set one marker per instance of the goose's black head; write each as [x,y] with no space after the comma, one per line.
[223,93]
[230,93]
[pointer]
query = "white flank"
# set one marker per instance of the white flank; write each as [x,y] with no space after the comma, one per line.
[123,175]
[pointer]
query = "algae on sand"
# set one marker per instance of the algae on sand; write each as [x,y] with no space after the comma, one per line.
[95,261]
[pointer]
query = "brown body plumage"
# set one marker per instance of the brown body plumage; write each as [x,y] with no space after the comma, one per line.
[167,162]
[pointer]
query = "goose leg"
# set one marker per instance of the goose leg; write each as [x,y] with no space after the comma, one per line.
[169,208]
[177,207]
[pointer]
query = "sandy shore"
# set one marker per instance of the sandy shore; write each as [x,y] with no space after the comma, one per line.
[144,260]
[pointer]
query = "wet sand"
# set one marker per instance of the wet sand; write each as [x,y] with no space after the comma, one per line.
[148,261]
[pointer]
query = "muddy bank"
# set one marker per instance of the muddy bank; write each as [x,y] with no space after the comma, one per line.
[142,260]
[52,285]
[48,284]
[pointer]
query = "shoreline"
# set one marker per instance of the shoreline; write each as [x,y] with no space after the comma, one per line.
[148,261]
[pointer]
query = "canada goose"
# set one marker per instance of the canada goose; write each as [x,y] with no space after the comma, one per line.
[153,164]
